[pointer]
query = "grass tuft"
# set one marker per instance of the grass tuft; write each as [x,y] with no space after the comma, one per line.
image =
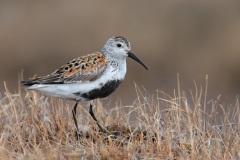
[157,126]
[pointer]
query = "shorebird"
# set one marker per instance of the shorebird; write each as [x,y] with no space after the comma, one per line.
[89,77]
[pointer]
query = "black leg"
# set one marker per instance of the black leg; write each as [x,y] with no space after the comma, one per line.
[74,111]
[95,119]
[91,113]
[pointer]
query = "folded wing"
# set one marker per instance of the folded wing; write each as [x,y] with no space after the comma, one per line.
[83,69]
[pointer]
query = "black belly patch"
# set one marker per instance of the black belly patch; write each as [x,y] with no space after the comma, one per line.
[102,92]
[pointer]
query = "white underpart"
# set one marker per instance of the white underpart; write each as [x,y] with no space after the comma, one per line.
[67,91]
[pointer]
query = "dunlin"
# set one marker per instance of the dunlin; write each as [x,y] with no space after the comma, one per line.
[86,78]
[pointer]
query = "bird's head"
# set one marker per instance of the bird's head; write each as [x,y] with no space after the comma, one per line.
[119,47]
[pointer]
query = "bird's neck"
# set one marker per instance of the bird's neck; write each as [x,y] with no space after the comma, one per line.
[118,68]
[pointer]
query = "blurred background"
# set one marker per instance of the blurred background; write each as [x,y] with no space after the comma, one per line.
[192,38]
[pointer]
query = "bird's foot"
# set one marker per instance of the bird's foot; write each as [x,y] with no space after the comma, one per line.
[79,134]
[102,129]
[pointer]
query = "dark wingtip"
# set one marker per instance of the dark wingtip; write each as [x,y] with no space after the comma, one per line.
[27,83]
[30,83]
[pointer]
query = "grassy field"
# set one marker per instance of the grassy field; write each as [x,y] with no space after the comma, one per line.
[185,125]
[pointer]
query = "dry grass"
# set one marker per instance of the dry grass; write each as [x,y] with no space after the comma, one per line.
[153,127]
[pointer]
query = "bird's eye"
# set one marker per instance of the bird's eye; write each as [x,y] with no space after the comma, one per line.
[119,45]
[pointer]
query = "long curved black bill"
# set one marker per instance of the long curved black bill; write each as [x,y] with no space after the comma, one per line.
[131,55]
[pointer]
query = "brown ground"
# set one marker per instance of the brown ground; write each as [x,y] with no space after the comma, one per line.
[152,127]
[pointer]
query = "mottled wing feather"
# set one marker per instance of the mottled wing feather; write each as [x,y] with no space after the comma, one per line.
[82,69]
